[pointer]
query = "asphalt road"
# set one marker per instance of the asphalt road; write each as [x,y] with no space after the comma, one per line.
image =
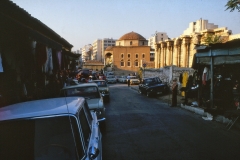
[145,128]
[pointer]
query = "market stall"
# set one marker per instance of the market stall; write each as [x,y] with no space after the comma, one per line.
[219,68]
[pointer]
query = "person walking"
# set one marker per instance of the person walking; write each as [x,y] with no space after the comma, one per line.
[128,80]
[174,93]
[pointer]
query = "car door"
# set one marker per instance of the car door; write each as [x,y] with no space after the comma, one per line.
[91,133]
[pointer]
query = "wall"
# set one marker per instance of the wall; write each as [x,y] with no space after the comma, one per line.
[166,74]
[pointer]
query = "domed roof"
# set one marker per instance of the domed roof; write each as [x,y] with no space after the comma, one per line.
[132,36]
[109,48]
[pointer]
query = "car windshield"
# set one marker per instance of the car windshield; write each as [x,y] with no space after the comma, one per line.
[133,77]
[86,92]
[101,83]
[39,139]
[110,77]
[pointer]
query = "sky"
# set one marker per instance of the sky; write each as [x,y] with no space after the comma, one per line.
[81,22]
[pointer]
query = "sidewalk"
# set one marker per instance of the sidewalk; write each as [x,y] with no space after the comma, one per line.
[197,110]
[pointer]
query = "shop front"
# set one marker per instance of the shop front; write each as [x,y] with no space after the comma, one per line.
[218,68]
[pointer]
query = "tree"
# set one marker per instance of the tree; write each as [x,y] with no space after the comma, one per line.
[233,5]
[211,39]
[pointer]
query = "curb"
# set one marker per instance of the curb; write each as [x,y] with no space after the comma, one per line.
[197,110]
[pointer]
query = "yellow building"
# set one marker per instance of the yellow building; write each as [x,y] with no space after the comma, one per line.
[130,52]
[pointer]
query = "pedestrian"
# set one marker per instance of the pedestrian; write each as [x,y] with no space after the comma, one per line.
[174,92]
[128,80]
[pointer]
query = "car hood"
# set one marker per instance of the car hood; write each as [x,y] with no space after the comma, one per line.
[95,103]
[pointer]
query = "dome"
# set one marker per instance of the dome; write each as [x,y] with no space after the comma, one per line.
[132,36]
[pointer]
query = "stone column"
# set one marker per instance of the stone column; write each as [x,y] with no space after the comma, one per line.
[163,54]
[156,55]
[186,50]
[169,52]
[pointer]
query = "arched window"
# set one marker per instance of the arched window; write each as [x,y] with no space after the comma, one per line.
[129,55]
[136,55]
[129,63]
[130,43]
[136,63]
[121,55]
[143,56]
[122,63]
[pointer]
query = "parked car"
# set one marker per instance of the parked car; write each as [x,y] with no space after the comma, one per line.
[153,86]
[111,79]
[134,80]
[57,128]
[104,89]
[122,79]
[117,78]
[91,93]
[109,74]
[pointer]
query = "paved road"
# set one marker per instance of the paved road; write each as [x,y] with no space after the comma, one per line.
[145,128]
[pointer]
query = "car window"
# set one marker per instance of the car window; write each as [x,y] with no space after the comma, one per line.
[133,77]
[101,83]
[39,139]
[87,92]
[86,129]
[110,77]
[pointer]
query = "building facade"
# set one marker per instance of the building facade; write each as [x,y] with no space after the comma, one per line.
[156,37]
[130,52]
[106,42]
[97,50]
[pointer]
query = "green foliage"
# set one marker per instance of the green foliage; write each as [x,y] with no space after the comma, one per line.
[212,39]
[140,72]
[233,5]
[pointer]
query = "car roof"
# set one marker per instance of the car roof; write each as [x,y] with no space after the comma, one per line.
[81,85]
[43,107]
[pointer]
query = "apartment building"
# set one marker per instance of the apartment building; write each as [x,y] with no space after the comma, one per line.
[97,50]
[198,26]
[155,38]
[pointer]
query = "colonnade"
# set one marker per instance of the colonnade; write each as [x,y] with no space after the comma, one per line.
[178,51]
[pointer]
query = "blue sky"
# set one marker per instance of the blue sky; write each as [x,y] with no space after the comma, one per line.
[81,22]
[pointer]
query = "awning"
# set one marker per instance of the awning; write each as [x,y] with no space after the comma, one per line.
[223,53]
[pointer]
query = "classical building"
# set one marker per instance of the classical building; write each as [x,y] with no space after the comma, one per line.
[130,52]
[180,51]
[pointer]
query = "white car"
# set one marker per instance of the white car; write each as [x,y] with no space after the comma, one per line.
[57,128]
[122,79]
[111,79]
[91,93]
[134,80]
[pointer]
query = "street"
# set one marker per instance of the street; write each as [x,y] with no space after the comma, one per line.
[145,128]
